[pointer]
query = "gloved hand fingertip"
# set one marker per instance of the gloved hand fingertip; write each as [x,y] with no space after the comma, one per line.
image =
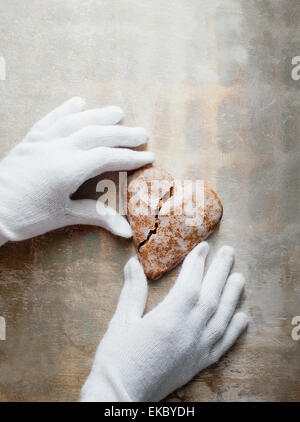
[133,260]
[200,250]
[121,227]
[79,102]
[238,279]
[203,248]
[119,113]
[227,251]
[141,134]
[242,319]
[150,156]
[126,232]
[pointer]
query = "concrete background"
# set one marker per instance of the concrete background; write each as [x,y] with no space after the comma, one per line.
[211,81]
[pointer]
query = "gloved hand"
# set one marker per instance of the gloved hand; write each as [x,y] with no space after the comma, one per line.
[144,358]
[59,153]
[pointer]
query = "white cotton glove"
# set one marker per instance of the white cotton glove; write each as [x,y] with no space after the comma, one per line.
[145,358]
[59,153]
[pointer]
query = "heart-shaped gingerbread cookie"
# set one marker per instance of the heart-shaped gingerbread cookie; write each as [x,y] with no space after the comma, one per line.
[168,218]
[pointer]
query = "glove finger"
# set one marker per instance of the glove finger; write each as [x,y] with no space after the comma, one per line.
[188,284]
[108,136]
[72,123]
[133,298]
[237,325]
[73,105]
[96,213]
[215,280]
[228,302]
[99,160]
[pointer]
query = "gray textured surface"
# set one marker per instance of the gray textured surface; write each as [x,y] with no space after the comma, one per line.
[211,81]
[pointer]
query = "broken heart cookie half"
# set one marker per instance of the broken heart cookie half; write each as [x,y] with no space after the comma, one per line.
[168,217]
